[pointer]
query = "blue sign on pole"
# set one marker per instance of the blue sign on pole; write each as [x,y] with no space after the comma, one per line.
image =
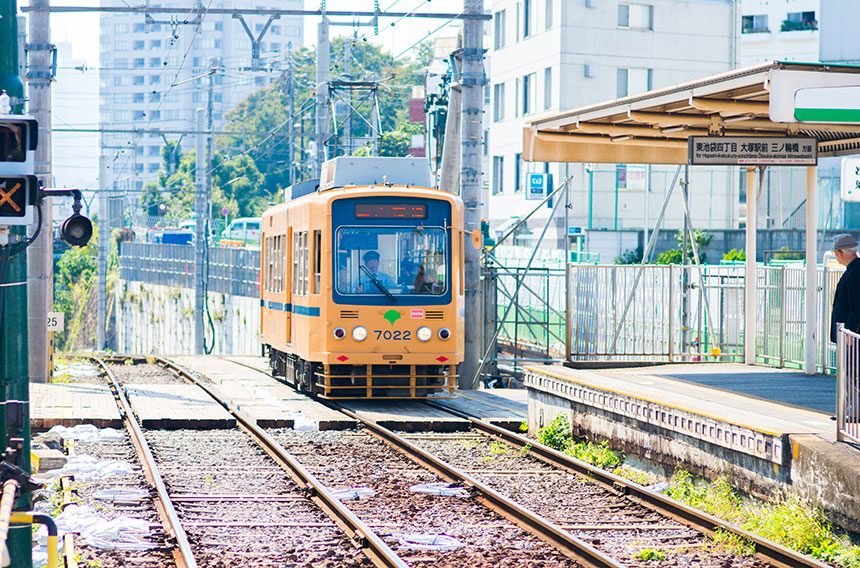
[536,186]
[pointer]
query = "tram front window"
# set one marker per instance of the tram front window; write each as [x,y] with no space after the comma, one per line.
[391,261]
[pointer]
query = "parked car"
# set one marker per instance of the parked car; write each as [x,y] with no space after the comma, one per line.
[242,231]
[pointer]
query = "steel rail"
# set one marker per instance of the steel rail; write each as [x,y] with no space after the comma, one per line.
[359,532]
[183,554]
[766,550]
[532,523]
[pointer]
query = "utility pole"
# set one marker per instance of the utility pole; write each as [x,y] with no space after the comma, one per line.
[40,265]
[200,211]
[291,95]
[347,74]
[214,65]
[471,135]
[323,73]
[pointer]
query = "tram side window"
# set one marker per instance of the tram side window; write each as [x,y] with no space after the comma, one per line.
[270,264]
[300,263]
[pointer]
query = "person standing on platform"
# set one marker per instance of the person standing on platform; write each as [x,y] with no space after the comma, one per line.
[846,302]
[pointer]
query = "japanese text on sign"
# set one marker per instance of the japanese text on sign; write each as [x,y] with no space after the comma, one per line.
[752,151]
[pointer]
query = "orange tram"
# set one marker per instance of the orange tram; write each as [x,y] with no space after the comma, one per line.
[361,286]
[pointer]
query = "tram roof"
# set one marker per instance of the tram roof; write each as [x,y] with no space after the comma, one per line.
[654,127]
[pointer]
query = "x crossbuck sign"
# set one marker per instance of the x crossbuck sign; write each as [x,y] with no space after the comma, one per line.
[6,196]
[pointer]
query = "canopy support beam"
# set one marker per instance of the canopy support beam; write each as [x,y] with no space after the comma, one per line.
[750,280]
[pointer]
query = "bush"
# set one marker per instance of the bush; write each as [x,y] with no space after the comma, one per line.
[630,256]
[675,256]
[735,255]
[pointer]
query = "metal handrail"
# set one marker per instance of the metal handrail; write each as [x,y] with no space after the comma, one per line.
[847,385]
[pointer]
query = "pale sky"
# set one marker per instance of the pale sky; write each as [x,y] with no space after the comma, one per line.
[82,30]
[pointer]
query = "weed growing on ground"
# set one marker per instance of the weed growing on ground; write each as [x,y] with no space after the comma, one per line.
[524,451]
[557,435]
[498,449]
[524,426]
[730,543]
[788,521]
[648,554]
[635,475]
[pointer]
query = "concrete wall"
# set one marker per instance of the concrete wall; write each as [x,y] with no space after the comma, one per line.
[160,320]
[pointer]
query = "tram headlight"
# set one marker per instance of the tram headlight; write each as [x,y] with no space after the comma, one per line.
[359,333]
[424,333]
[444,333]
[339,333]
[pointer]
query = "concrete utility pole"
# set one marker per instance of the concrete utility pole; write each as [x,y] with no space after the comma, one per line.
[471,136]
[40,265]
[449,176]
[200,211]
[323,73]
[291,95]
[103,253]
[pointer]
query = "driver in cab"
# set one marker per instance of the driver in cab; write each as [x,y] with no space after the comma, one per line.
[369,273]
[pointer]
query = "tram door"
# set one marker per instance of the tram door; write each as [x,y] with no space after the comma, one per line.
[287,259]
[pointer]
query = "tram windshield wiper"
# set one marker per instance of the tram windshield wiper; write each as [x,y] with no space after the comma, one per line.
[379,285]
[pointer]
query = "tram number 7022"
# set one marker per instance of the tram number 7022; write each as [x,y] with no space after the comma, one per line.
[392,335]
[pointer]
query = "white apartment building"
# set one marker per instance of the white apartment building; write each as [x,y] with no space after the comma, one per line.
[153,77]
[786,30]
[552,55]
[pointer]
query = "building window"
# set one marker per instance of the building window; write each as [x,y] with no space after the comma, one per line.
[517,27]
[634,81]
[486,142]
[120,28]
[138,115]
[154,150]
[756,24]
[529,19]
[499,30]
[154,96]
[138,62]
[498,175]
[154,79]
[120,46]
[636,16]
[196,97]
[517,87]
[529,93]
[518,173]
[152,168]
[138,168]
[499,102]
[155,44]
[139,28]
[137,97]
[275,30]
[548,14]
[217,97]
[154,61]
[547,88]
[138,45]
[219,26]
[218,44]
[138,80]
[798,21]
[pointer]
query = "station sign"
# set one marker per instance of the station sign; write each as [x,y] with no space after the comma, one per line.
[537,185]
[812,96]
[850,182]
[752,151]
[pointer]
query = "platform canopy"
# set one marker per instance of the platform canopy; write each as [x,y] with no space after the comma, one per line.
[773,99]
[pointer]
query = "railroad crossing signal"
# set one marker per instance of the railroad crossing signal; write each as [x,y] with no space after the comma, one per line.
[19,188]
[17,195]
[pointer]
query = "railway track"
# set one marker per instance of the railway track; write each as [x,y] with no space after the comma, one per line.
[616,515]
[529,505]
[234,496]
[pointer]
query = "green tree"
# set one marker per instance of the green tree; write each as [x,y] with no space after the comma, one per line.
[675,256]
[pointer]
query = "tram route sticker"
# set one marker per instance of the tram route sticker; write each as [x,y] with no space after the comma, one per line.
[416,314]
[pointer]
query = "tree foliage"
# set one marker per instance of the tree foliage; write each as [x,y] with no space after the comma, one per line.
[250,171]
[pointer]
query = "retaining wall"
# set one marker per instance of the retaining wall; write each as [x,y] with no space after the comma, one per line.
[159,319]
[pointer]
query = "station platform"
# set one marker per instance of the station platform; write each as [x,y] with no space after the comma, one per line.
[246,382]
[69,404]
[762,427]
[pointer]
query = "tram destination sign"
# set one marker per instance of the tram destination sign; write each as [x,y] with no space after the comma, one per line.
[753,151]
